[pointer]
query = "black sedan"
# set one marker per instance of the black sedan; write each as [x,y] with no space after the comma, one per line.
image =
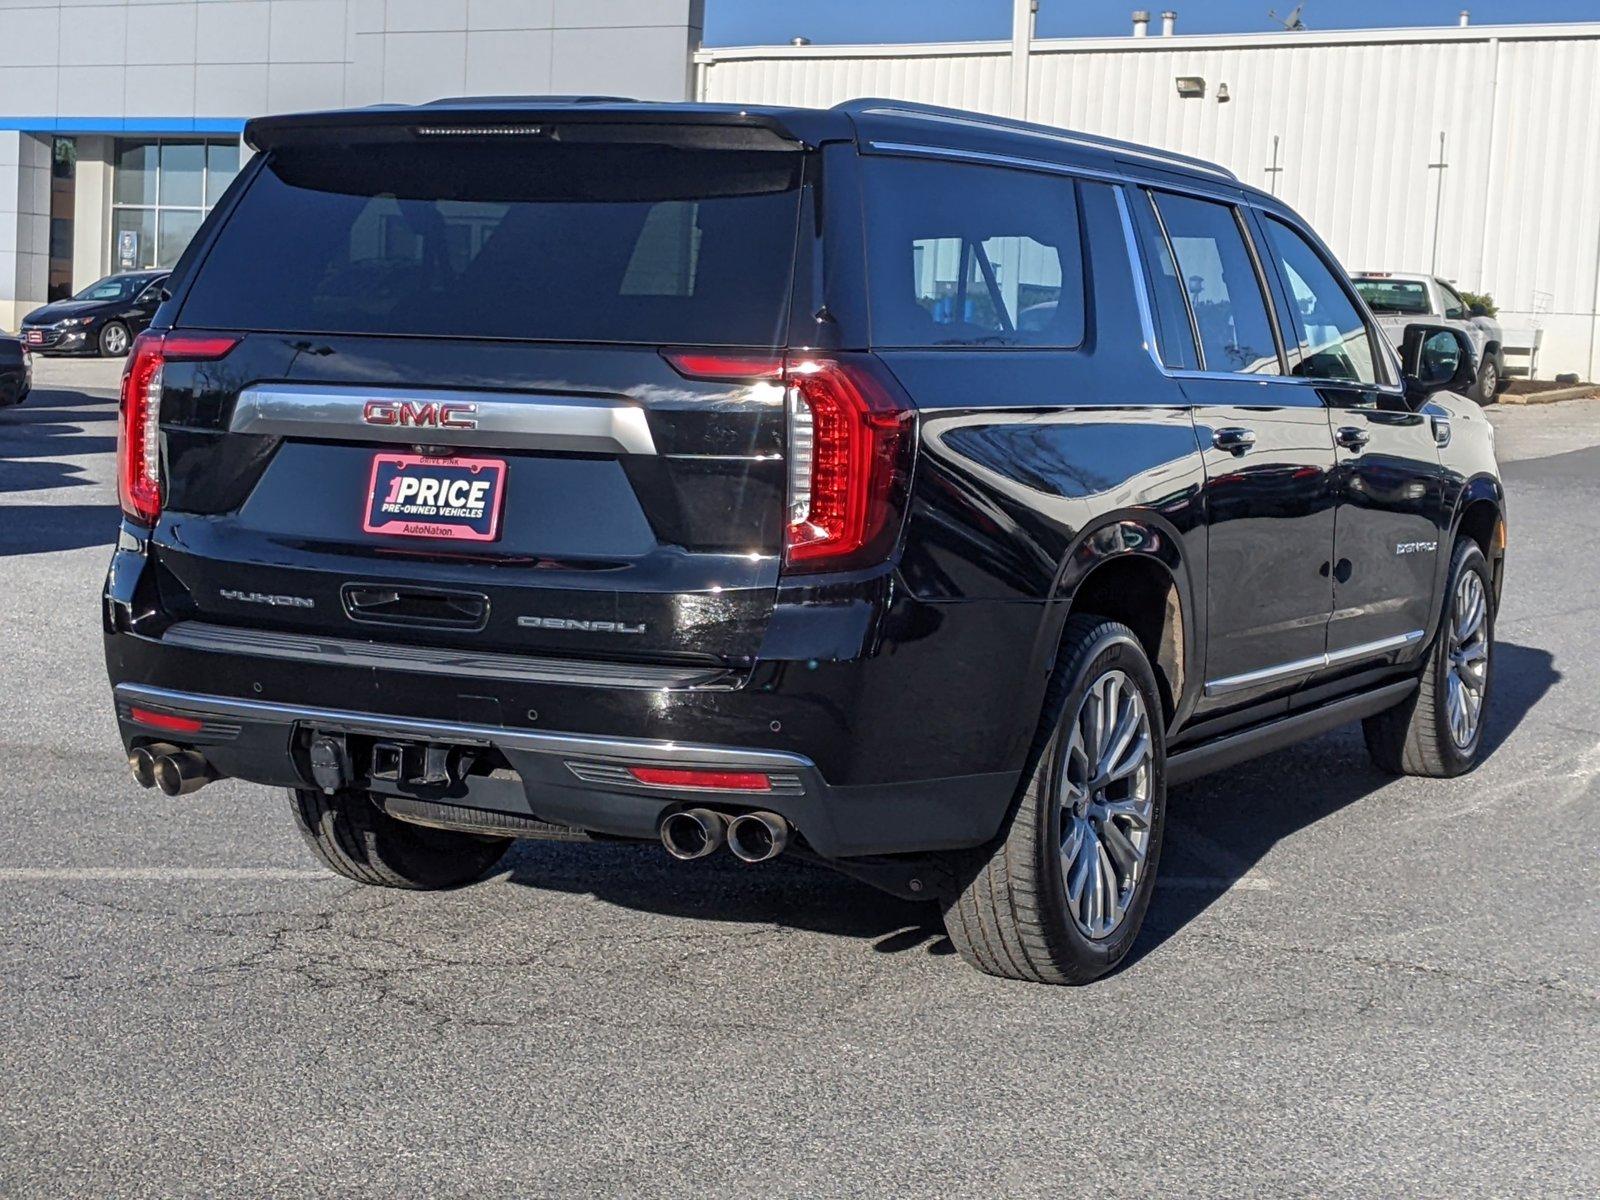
[102,319]
[16,371]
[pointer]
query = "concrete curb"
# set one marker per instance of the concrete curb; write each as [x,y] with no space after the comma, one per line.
[1581,392]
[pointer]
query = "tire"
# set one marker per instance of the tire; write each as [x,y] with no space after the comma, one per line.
[1418,736]
[357,839]
[1487,387]
[113,341]
[1012,914]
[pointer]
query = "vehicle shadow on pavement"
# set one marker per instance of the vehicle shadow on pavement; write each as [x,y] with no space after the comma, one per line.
[45,528]
[785,893]
[1220,827]
[50,426]
[1218,830]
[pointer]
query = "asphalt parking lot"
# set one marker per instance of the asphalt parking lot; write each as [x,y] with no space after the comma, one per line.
[1347,985]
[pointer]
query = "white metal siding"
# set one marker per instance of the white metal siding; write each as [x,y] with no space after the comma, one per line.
[1357,118]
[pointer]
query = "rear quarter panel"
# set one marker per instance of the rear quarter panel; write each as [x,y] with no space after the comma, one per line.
[1035,466]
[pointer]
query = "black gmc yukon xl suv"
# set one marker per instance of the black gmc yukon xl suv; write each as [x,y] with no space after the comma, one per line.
[905,490]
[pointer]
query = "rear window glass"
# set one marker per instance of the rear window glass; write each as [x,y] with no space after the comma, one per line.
[545,242]
[1393,295]
[966,255]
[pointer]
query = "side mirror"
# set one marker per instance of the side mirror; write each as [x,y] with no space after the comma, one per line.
[1477,310]
[1436,358]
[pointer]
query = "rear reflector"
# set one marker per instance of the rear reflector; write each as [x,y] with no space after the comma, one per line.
[711,781]
[171,722]
[708,364]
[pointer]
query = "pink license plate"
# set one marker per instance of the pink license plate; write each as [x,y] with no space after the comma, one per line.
[411,495]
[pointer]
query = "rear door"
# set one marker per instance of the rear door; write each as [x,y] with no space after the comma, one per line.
[452,419]
[1266,445]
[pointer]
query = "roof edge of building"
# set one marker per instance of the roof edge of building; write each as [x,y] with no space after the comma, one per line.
[1545,31]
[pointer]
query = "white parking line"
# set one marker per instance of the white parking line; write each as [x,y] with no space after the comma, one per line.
[160,874]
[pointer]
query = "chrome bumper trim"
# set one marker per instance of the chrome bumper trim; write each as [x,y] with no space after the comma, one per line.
[566,745]
[433,660]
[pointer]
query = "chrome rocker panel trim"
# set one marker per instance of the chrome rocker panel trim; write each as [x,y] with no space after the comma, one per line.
[1309,666]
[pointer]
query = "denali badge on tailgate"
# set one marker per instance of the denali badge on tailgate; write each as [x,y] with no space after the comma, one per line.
[411,495]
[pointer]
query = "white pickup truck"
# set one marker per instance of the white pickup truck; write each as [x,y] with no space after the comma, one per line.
[1397,299]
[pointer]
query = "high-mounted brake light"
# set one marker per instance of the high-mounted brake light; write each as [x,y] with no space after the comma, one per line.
[850,442]
[138,431]
[711,781]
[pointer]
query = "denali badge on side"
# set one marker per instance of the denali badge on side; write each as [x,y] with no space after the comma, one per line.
[580,626]
[265,598]
[1416,547]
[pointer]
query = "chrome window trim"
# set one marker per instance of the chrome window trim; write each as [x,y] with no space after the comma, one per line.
[505,420]
[1141,285]
[1308,666]
[568,745]
[1136,264]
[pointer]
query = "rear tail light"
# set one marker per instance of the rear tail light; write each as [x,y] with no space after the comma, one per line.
[138,432]
[851,441]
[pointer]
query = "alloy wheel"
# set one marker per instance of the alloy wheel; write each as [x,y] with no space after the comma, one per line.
[1467,674]
[116,340]
[1106,801]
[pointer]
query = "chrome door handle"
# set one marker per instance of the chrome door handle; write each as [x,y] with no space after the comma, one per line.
[1233,439]
[1441,431]
[1352,438]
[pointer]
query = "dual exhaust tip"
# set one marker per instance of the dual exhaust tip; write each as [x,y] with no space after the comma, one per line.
[696,832]
[176,772]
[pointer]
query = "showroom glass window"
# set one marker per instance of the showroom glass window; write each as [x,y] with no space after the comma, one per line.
[161,190]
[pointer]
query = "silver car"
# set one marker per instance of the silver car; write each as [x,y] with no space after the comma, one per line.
[1398,299]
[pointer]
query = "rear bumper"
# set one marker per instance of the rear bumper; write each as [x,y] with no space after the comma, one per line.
[577,780]
[912,743]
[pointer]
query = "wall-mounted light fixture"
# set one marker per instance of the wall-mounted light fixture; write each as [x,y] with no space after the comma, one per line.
[1191,87]
[1222,93]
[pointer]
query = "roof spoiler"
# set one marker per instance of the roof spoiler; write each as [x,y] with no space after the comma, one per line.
[545,118]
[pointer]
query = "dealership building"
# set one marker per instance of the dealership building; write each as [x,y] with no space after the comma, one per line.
[120,120]
[1468,151]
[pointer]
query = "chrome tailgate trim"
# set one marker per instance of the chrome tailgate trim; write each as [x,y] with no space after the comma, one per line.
[501,420]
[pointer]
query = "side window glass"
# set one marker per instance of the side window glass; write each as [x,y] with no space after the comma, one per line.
[1334,342]
[1221,282]
[1455,308]
[1174,335]
[966,255]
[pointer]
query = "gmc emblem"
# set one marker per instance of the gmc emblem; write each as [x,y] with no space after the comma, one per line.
[428,414]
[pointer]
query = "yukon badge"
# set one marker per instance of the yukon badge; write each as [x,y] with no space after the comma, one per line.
[423,414]
[267,598]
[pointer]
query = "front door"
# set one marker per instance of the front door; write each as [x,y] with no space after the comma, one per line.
[1388,480]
